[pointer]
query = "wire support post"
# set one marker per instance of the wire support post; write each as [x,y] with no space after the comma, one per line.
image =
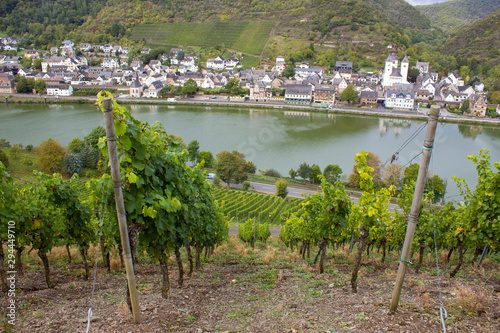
[107,104]
[415,208]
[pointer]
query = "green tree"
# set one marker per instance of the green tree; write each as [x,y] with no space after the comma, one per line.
[193,149]
[281,188]
[76,145]
[230,167]
[412,74]
[37,64]
[433,183]
[465,108]
[292,173]
[349,94]
[50,156]
[40,86]
[289,70]
[93,137]
[374,163]
[304,171]
[25,86]
[189,88]
[233,85]
[208,157]
[332,173]
[315,172]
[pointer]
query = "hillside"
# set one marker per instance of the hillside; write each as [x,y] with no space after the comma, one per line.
[457,13]
[481,39]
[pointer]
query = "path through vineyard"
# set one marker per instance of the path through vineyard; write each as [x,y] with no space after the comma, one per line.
[267,289]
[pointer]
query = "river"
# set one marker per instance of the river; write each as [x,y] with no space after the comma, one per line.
[270,138]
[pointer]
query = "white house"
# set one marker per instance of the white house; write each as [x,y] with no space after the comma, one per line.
[60,89]
[399,99]
[110,63]
[280,64]
[154,89]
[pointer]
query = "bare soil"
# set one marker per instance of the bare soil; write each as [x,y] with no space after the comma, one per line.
[266,289]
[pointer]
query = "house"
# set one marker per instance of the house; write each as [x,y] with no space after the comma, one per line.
[60,89]
[324,93]
[423,67]
[342,65]
[392,73]
[422,94]
[85,47]
[307,72]
[216,64]
[477,105]
[10,47]
[32,54]
[51,62]
[7,86]
[298,94]
[67,42]
[455,79]
[368,98]
[136,89]
[467,90]
[136,63]
[231,63]
[67,51]
[280,64]
[117,48]
[478,86]
[145,50]
[174,52]
[340,84]
[53,50]
[164,57]
[302,65]
[154,89]
[399,99]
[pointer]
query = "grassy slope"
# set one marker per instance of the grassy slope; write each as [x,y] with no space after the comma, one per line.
[453,14]
[481,39]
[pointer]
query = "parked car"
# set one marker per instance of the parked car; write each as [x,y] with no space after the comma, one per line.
[210,175]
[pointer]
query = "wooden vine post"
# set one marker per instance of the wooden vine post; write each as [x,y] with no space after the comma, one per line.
[120,206]
[415,208]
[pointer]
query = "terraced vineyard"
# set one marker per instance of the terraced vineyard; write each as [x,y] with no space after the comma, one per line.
[246,37]
[265,208]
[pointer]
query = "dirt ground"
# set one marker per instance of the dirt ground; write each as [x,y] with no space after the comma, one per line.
[266,289]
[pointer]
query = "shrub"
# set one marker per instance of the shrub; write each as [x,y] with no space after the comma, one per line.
[272,173]
[216,182]
[26,161]
[281,188]
[245,186]
[93,137]
[4,143]
[72,164]
[29,147]
[4,158]
[50,156]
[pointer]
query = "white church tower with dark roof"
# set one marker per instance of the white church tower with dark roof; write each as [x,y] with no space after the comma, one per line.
[392,72]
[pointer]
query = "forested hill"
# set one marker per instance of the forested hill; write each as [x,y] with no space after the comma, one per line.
[57,19]
[481,40]
[456,13]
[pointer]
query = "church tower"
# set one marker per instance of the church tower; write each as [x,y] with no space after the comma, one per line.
[390,63]
[404,69]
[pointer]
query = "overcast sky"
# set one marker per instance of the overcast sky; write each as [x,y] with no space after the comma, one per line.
[424,2]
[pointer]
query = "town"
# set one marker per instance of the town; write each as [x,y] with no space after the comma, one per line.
[65,70]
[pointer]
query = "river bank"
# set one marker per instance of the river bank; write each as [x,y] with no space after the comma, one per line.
[446,117]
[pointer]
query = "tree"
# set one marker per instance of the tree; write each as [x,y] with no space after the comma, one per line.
[233,85]
[349,94]
[25,86]
[230,167]
[76,145]
[250,167]
[412,74]
[50,156]
[433,183]
[392,175]
[465,108]
[289,70]
[304,171]
[292,173]
[189,88]
[208,157]
[37,64]
[193,149]
[374,163]
[281,188]
[40,86]
[332,173]
[93,137]
[315,172]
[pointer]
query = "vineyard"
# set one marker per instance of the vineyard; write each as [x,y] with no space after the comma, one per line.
[245,37]
[265,208]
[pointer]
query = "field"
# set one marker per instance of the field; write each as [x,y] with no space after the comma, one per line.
[265,208]
[265,289]
[245,37]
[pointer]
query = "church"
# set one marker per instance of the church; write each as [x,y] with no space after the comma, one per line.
[392,73]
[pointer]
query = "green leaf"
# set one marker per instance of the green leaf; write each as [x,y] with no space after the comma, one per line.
[120,127]
[132,178]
